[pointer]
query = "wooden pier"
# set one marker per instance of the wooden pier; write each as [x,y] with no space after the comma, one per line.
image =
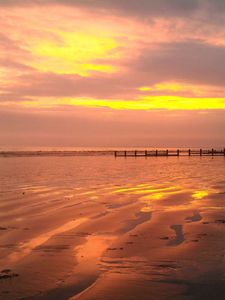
[169,152]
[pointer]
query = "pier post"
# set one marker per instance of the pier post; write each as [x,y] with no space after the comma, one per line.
[178,152]
[135,153]
[167,152]
[156,152]
[189,152]
[212,151]
[115,153]
[200,152]
[146,152]
[125,153]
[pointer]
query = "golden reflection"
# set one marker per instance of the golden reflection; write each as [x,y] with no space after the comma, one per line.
[87,193]
[148,193]
[94,246]
[144,189]
[88,254]
[94,197]
[146,209]
[143,184]
[199,194]
[156,190]
[129,189]
[27,247]
[147,199]
[157,196]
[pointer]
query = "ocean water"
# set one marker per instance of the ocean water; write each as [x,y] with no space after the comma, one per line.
[100,227]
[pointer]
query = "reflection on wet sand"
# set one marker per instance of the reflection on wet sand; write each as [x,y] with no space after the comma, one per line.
[88,256]
[199,194]
[27,247]
[147,237]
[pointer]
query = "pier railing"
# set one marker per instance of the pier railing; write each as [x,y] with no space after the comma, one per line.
[170,152]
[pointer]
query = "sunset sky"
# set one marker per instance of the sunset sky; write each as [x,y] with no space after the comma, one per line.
[112,73]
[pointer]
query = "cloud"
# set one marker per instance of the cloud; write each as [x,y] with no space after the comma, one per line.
[163,45]
[189,61]
[54,85]
[152,54]
[138,8]
[141,7]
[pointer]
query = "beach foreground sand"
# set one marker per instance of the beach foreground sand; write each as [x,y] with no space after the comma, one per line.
[104,228]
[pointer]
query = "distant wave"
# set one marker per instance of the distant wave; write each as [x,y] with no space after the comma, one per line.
[54,153]
[88,152]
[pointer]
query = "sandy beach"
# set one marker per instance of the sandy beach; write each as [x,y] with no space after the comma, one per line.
[104,228]
[112,150]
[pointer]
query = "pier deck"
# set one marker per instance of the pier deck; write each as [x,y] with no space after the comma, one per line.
[178,152]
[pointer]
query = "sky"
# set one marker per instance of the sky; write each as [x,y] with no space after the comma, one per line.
[112,73]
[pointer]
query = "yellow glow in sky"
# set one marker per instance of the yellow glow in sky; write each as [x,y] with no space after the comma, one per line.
[176,87]
[170,86]
[144,103]
[164,86]
[144,89]
[156,102]
[74,53]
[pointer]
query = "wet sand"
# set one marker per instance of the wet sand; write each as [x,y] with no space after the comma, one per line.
[104,228]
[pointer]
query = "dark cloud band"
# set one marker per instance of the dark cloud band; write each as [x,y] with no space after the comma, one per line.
[139,8]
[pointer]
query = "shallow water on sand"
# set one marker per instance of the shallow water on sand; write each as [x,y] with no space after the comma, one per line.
[105,228]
